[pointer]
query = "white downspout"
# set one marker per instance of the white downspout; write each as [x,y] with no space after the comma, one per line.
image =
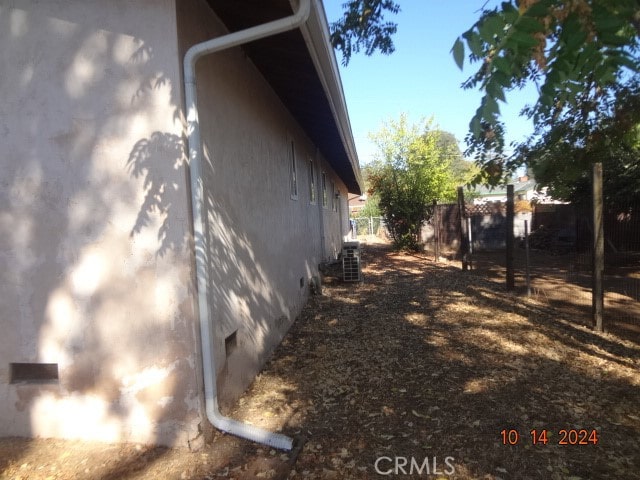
[235,39]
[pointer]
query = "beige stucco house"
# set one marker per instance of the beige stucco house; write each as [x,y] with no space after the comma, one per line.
[155,244]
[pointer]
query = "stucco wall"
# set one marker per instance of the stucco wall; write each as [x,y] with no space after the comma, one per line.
[264,245]
[95,269]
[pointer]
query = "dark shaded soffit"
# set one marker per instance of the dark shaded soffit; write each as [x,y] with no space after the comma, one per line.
[287,65]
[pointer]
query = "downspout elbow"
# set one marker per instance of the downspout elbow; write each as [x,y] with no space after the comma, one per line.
[246,431]
[251,34]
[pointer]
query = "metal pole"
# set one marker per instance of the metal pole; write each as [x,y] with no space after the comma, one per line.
[436,228]
[598,250]
[527,262]
[470,237]
[464,241]
[509,239]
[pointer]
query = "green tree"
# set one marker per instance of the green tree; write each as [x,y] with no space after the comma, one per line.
[463,171]
[581,54]
[561,159]
[371,207]
[409,172]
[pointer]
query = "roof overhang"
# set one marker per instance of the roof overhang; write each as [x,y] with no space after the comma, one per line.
[301,67]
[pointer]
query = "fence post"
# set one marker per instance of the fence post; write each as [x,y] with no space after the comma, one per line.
[509,239]
[370,225]
[597,298]
[464,241]
[527,260]
[436,231]
[470,235]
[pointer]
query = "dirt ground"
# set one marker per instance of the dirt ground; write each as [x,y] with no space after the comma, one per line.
[421,371]
[564,282]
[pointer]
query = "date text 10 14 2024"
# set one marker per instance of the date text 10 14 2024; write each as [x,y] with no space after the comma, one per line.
[565,436]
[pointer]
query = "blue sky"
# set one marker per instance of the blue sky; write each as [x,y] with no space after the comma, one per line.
[420,78]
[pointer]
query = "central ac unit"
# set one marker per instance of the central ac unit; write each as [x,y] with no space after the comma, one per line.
[351,268]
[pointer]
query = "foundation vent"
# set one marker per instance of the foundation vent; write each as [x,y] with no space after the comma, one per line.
[33,372]
[231,343]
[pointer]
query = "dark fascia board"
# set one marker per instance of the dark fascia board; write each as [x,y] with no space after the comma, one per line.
[316,34]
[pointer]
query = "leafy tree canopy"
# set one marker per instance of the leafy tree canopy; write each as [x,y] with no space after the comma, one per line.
[410,171]
[583,57]
[463,171]
[561,159]
[581,54]
[371,208]
[363,27]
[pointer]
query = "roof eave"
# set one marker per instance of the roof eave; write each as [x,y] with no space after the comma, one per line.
[316,36]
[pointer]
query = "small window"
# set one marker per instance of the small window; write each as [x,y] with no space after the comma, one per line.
[334,197]
[293,173]
[312,182]
[324,190]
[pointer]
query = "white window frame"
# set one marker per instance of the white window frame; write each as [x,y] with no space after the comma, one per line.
[325,197]
[313,194]
[293,170]
[334,198]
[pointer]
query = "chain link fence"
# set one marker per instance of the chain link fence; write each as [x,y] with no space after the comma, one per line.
[560,255]
[365,226]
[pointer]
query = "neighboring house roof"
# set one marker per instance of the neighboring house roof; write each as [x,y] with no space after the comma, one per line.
[501,190]
[301,67]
